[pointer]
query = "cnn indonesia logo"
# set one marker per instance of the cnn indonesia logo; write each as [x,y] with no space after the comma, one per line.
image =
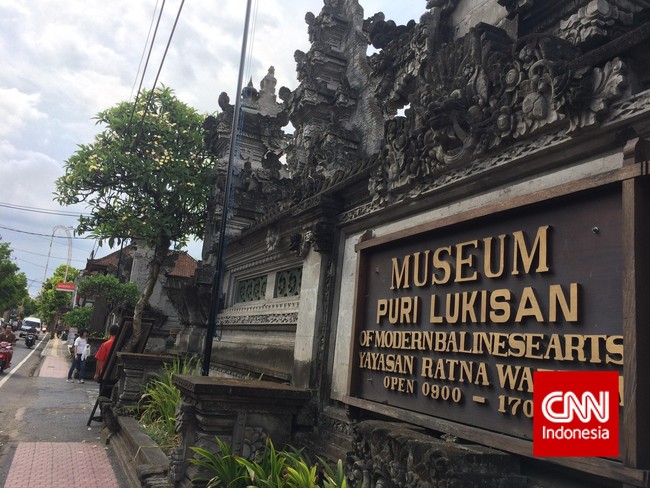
[575,414]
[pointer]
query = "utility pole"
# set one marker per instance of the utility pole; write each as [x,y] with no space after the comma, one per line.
[216,282]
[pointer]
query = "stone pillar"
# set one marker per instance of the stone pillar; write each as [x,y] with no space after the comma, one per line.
[136,371]
[309,316]
[242,413]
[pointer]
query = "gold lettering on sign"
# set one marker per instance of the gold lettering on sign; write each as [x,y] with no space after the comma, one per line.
[388,363]
[487,268]
[553,347]
[515,377]
[402,385]
[455,370]
[503,306]
[540,249]
[458,262]
[466,260]
[404,310]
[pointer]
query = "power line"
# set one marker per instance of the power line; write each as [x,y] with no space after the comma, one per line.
[45,255]
[162,62]
[153,39]
[169,41]
[144,49]
[43,235]
[42,210]
[29,262]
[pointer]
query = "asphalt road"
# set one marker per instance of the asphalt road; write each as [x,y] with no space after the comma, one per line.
[42,409]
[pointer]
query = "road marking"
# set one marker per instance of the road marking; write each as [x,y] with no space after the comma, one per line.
[15,368]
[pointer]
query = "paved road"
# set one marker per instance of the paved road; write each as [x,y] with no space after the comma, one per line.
[44,441]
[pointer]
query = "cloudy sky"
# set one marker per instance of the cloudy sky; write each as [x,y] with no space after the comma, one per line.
[65,60]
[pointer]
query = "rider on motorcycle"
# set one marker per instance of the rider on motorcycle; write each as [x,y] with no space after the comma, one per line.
[8,336]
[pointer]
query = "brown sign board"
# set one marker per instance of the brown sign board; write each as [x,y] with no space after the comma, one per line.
[451,322]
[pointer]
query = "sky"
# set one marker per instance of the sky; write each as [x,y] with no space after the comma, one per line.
[63,61]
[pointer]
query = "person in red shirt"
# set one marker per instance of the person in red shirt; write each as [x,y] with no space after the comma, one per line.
[104,350]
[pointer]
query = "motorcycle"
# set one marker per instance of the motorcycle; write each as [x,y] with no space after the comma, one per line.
[5,355]
[30,340]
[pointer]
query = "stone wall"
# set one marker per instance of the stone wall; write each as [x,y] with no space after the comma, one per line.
[497,100]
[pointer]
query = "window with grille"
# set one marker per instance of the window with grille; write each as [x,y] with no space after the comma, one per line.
[251,289]
[287,283]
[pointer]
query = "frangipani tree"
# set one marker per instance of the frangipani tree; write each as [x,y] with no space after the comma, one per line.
[146,177]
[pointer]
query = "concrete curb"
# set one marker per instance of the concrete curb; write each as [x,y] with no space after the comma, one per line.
[141,460]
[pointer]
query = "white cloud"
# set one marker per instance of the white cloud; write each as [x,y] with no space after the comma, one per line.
[64,61]
[16,110]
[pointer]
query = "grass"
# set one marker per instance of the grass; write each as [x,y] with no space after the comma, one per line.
[158,405]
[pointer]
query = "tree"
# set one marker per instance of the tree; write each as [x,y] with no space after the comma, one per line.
[146,177]
[108,290]
[13,285]
[52,302]
[78,317]
[30,307]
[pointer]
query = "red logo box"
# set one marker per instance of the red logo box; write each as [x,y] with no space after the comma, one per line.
[575,414]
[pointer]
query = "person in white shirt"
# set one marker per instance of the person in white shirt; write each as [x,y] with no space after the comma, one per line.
[78,359]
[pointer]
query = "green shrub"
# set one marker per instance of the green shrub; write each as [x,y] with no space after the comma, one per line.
[272,469]
[225,469]
[159,400]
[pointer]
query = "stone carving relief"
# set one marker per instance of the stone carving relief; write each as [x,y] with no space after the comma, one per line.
[185,428]
[272,239]
[515,7]
[606,84]
[261,319]
[398,63]
[597,22]
[445,6]
[300,244]
[484,91]
[390,455]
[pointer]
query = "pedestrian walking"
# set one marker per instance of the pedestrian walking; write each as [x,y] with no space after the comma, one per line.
[78,359]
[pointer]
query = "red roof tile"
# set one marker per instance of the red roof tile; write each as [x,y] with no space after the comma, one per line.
[184,266]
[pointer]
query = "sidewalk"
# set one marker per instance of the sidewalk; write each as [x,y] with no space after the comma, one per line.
[72,455]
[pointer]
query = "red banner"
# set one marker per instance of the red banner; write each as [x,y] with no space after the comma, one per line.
[65,287]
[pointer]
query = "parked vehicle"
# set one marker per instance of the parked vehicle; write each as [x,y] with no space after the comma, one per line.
[5,355]
[30,340]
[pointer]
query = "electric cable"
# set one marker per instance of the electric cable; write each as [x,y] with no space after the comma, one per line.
[144,50]
[42,235]
[44,255]
[29,262]
[162,62]
[42,210]
[153,39]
